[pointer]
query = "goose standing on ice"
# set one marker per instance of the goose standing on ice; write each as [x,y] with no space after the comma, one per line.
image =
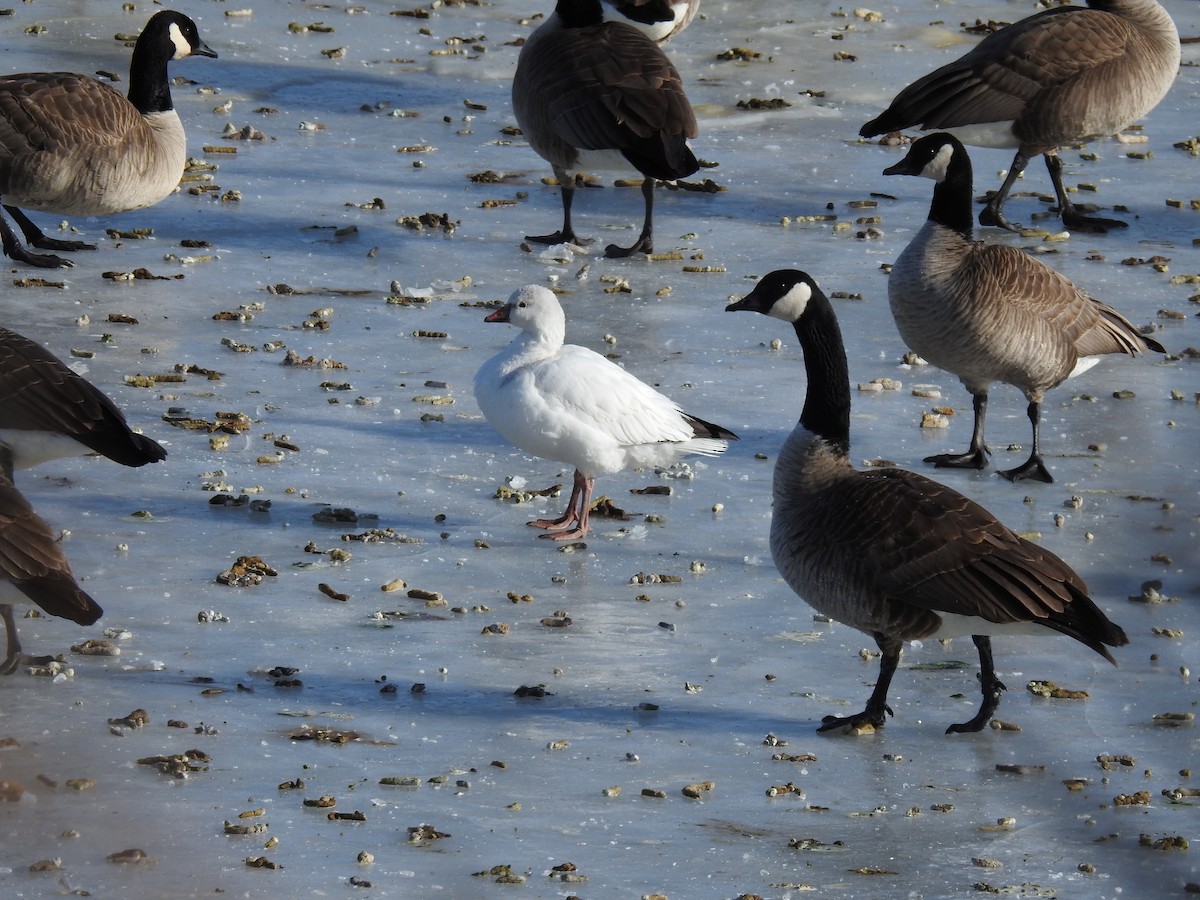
[75,147]
[1066,75]
[565,402]
[990,312]
[48,412]
[590,93]
[893,553]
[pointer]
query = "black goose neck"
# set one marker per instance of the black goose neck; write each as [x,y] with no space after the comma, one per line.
[149,87]
[952,196]
[579,13]
[827,403]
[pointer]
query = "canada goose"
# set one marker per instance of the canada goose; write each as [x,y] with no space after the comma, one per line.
[48,412]
[33,569]
[990,312]
[659,20]
[1065,75]
[73,146]
[565,402]
[893,553]
[594,94]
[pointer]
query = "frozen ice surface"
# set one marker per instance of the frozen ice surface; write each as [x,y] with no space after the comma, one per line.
[909,804]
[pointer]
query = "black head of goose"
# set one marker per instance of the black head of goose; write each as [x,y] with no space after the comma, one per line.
[991,312]
[33,570]
[1062,76]
[893,553]
[74,146]
[590,93]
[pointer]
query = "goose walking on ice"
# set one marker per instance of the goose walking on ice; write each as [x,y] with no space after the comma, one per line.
[991,312]
[75,147]
[568,403]
[1066,75]
[48,412]
[594,94]
[893,553]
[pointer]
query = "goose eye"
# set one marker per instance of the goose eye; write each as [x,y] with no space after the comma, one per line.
[521,304]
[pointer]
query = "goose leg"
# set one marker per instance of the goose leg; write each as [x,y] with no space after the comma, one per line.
[991,214]
[37,238]
[976,456]
[577,513]
[645,241]
[14,657]
[566,186]
[1071,216]
[877,709]
[16,251]
[1033,467]
[570,515]
[992,689]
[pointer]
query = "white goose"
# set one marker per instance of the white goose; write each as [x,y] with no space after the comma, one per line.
[74,146]
[1063,76]
[893,553]
[565,402]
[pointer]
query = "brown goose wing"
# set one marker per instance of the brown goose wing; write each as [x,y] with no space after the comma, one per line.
[55,111]
[943,552]
[608,87]
[1065,313]
[1032,61]
[39,393]
[31,559]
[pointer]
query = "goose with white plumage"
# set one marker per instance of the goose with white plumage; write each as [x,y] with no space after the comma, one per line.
[568,403]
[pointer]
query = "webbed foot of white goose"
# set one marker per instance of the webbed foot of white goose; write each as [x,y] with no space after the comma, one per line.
[972,459]
[1033,469]
[876,718]
[570,534]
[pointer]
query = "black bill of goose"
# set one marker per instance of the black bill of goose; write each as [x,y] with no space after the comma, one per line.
[47,412]
[73,146]
[33,570]
[1065,75]
[991,312]
[659,20]
[892,553]
[593,94]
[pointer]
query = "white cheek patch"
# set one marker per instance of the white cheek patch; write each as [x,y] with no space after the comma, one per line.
[790,307]
[183,46]
[936,167]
